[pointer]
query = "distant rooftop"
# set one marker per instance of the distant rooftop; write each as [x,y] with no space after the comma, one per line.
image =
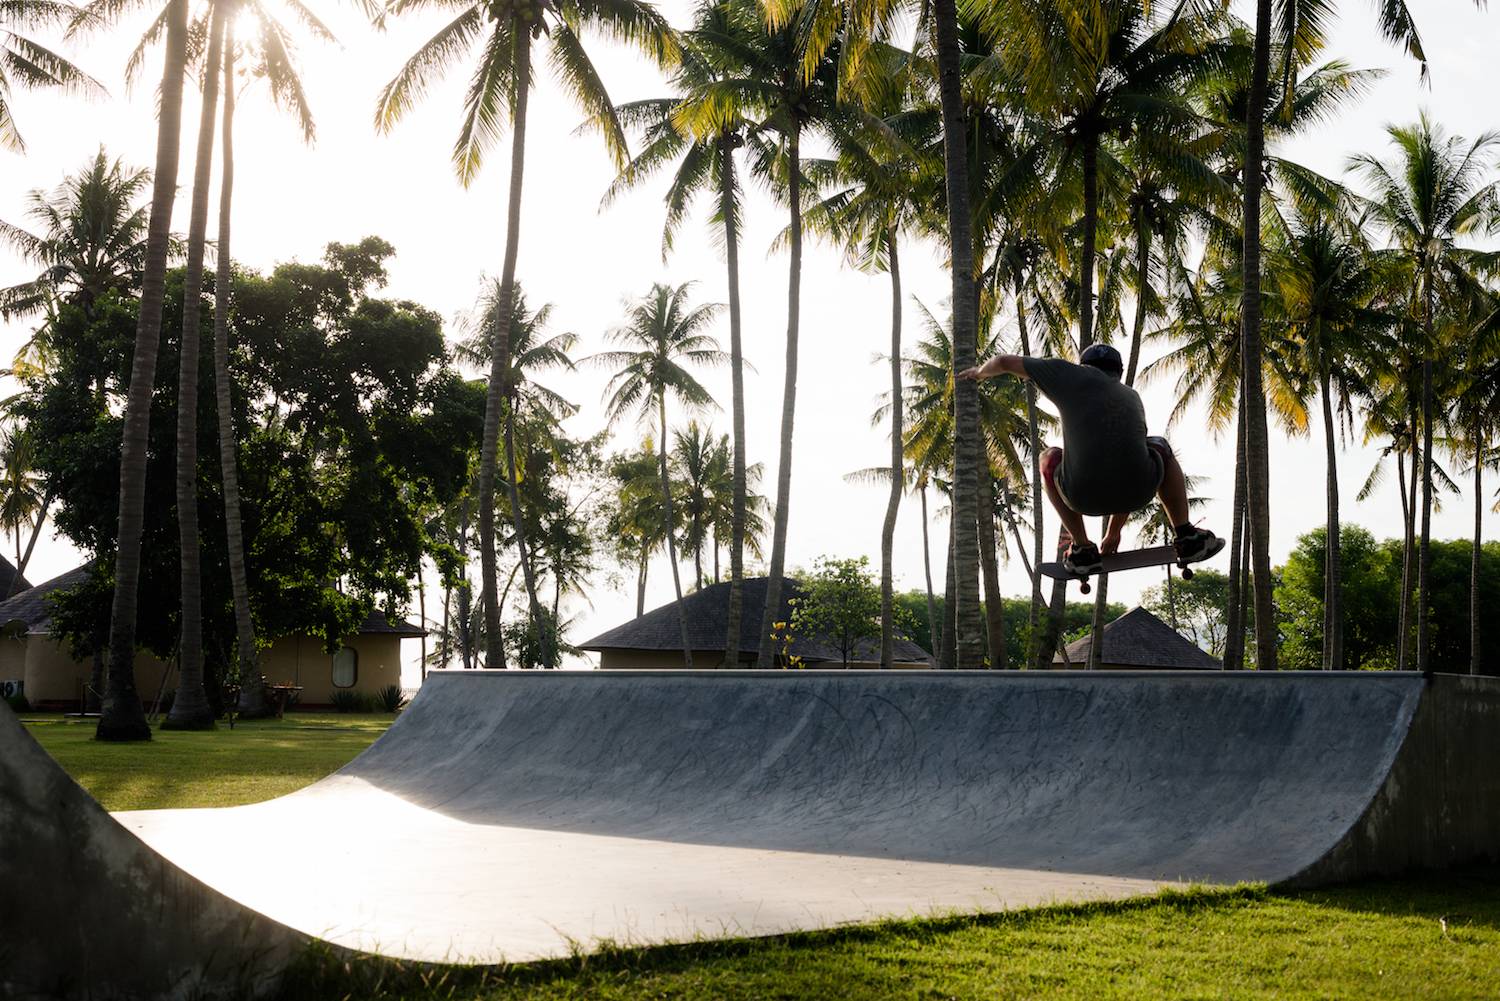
[31,612]
[1140,639]
[708,620]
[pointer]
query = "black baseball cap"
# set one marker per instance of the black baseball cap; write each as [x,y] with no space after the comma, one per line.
[1104,357]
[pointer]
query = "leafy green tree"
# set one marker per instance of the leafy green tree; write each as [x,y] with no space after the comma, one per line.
[661,336]
[345,448]
[636,517]
[1198,608]
[498,94]
[1372,586]
[839,600]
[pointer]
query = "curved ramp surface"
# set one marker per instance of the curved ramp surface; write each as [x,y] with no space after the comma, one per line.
[515,816]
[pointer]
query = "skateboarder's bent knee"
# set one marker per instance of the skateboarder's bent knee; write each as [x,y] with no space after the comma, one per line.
[1108,466]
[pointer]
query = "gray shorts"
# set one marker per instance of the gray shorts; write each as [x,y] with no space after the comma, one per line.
[1117,503]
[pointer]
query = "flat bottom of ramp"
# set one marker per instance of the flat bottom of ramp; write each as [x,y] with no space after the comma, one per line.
[394,878]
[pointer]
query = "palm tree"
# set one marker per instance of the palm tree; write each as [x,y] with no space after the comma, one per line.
[274,61]
[697,455]
[1477,425]
[705,164]
[665,334]
[23,496]
[528,351]
[1323,287]
[190,709]
[638,522]
[122,717]
[1434,194]
[89,238]
[881,176]
[28,64]
[1301,27]
[774,72]
[499,90]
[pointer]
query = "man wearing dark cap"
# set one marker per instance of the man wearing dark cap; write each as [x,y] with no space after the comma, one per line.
[1108,465]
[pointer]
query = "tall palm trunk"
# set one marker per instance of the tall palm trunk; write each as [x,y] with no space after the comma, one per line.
[539,622]
[640,582]
[898,473]
[666,497]
[1142,277]
[697,551]
[190,709]
[967,436]
[1257,448]
[494,655]
[25,557]
[727,143]
[253,703]
[932,622]
[1234,620]
[1476,549]
[422,611]
[1406,522]
[1409,556]
[767,654]
[1424,556]
[1034,616]
[122,717]
[1090,239]
[1333,584]
[994,601]
[948,647]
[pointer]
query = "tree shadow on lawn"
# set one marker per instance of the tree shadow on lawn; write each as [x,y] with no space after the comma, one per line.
[1469,896]
[1465,896]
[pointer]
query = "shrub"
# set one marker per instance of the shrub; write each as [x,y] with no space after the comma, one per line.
[347,700]
[18,703]
[390,699]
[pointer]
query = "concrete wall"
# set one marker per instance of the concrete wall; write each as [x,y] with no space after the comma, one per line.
[666,660]
[55,680]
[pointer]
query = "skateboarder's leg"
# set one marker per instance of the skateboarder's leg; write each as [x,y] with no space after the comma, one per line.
[1172,492]
[1072,520]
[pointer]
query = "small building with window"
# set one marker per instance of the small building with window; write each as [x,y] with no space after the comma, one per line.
[43,669]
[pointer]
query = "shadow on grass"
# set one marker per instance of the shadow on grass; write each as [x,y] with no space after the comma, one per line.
[324,971]
[1464,897]
[1469,895]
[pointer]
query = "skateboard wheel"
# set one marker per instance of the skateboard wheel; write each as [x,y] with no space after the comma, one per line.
[1084,586]
[1187,573]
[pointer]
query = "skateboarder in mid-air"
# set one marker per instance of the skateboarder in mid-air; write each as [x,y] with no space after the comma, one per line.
[1108,465]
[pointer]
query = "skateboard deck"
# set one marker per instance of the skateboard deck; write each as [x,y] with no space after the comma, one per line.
[1133,559]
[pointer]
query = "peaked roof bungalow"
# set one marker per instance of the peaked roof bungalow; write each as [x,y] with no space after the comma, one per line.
[41,667]
[654,641]
[1139,641]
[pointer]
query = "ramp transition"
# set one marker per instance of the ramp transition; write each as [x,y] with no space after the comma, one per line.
[516,815]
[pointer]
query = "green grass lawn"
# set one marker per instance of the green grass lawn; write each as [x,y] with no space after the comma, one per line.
[257,760]
[1434,936]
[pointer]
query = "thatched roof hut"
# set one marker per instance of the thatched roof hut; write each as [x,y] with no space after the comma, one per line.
[1137,641]
[654,640]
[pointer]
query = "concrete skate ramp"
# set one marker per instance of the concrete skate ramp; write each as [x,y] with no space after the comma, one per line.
[511,815]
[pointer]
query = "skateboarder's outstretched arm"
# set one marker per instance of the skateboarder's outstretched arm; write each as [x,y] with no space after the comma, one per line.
[1010,364]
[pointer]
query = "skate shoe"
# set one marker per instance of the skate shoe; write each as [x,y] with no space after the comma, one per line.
[1083,559]
[1194,544]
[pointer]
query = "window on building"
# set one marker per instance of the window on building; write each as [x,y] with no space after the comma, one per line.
[345,668]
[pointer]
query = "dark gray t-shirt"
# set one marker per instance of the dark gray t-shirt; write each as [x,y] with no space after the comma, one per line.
[1107,467]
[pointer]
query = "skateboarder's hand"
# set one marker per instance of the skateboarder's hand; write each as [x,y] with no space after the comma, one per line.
[1110,543]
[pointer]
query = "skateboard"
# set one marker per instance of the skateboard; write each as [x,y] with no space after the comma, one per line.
[1134,559]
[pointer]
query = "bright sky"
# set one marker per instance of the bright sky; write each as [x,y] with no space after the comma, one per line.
[291,200]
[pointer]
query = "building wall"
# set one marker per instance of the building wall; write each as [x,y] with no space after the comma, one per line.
[55,680]
[302,660]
